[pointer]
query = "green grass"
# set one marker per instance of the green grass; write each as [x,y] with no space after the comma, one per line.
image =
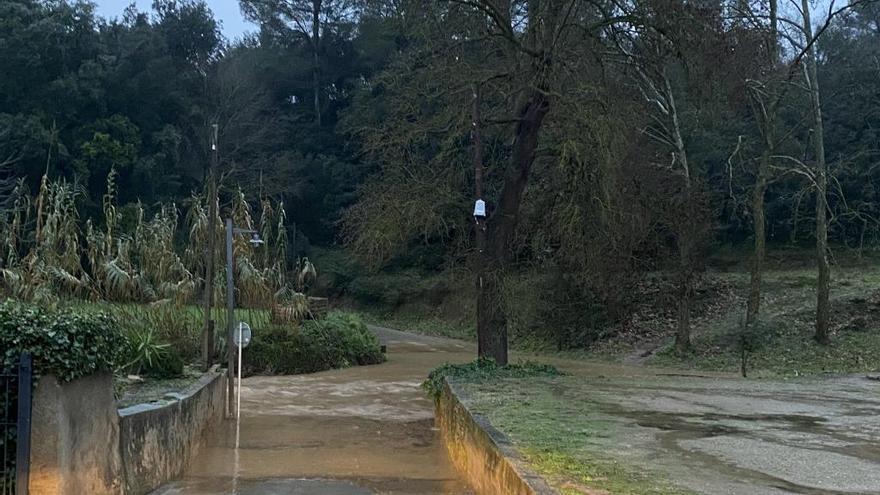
[181,326]
[560,434]
[483,369]
[422,324]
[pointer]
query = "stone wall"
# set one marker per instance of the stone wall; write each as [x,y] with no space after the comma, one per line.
[72,426]
[158,441]
[483,455]
[81,443]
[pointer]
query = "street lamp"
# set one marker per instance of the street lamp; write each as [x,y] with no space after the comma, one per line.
[230,304]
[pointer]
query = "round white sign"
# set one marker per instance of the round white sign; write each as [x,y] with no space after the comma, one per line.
[241,336]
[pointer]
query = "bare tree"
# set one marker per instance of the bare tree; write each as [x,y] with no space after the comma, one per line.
[821,174]
[767,101]
[652,53]
[767,95]
[667,130]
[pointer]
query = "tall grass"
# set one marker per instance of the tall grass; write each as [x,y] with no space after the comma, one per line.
[147,269]
[48,254]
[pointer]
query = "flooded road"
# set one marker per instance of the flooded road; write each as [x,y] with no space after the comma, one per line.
[370,429]
[361,430]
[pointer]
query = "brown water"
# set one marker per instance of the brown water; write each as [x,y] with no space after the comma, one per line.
[361,430]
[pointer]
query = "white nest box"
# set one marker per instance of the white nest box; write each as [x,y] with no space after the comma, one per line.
[480,209]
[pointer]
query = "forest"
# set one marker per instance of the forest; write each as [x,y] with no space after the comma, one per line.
[611,141]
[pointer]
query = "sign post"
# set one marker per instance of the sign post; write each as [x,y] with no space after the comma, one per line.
[241,340]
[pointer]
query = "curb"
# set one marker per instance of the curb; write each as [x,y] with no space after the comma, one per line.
[484,456]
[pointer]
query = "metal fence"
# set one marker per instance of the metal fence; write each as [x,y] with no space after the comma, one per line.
[15,426]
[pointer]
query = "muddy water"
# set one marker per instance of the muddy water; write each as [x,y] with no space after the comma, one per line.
[361,430]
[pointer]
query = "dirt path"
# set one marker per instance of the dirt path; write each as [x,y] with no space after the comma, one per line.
[360,430]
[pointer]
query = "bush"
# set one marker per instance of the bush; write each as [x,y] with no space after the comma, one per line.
[67,344]
[482,369]
[386,289]
[178,327]
[145,353]
[338,341]
[544,307]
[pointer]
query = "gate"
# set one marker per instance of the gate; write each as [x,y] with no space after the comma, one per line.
[15,426]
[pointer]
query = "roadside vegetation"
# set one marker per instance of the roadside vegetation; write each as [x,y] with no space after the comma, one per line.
[481,370]
[142,280]
[65,344]
[656,139]
[340,340]
[778,344]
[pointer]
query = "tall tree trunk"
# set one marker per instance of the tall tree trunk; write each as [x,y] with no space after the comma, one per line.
[686,233]
[316,61]
[768,122]
[685,293]
[824,279]
[754,303]
[491,320]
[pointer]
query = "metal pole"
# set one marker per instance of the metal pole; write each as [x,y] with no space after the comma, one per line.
[230,318]
[238,396]
[23,454]
[481,224]
[208,330]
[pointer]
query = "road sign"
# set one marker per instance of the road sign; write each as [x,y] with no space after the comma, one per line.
[241,337]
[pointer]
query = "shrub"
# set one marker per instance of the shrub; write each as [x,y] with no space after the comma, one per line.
[146,353]
[67,344]
[180,327]
[338,341]
[482,369]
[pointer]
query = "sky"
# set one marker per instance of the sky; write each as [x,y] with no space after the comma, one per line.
[234,25]
[226,11]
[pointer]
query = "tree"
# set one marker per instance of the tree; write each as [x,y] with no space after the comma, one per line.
[307,20]
[769,95]
[767,98]
[517,56]
[821,181]
[672,50]
[804,43]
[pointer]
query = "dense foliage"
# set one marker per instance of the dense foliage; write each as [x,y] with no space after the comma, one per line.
[81,95]
[67,344]
[610,140]
[339,340]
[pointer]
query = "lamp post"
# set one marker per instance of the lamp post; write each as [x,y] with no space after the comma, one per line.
[230,306]
[208,329]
